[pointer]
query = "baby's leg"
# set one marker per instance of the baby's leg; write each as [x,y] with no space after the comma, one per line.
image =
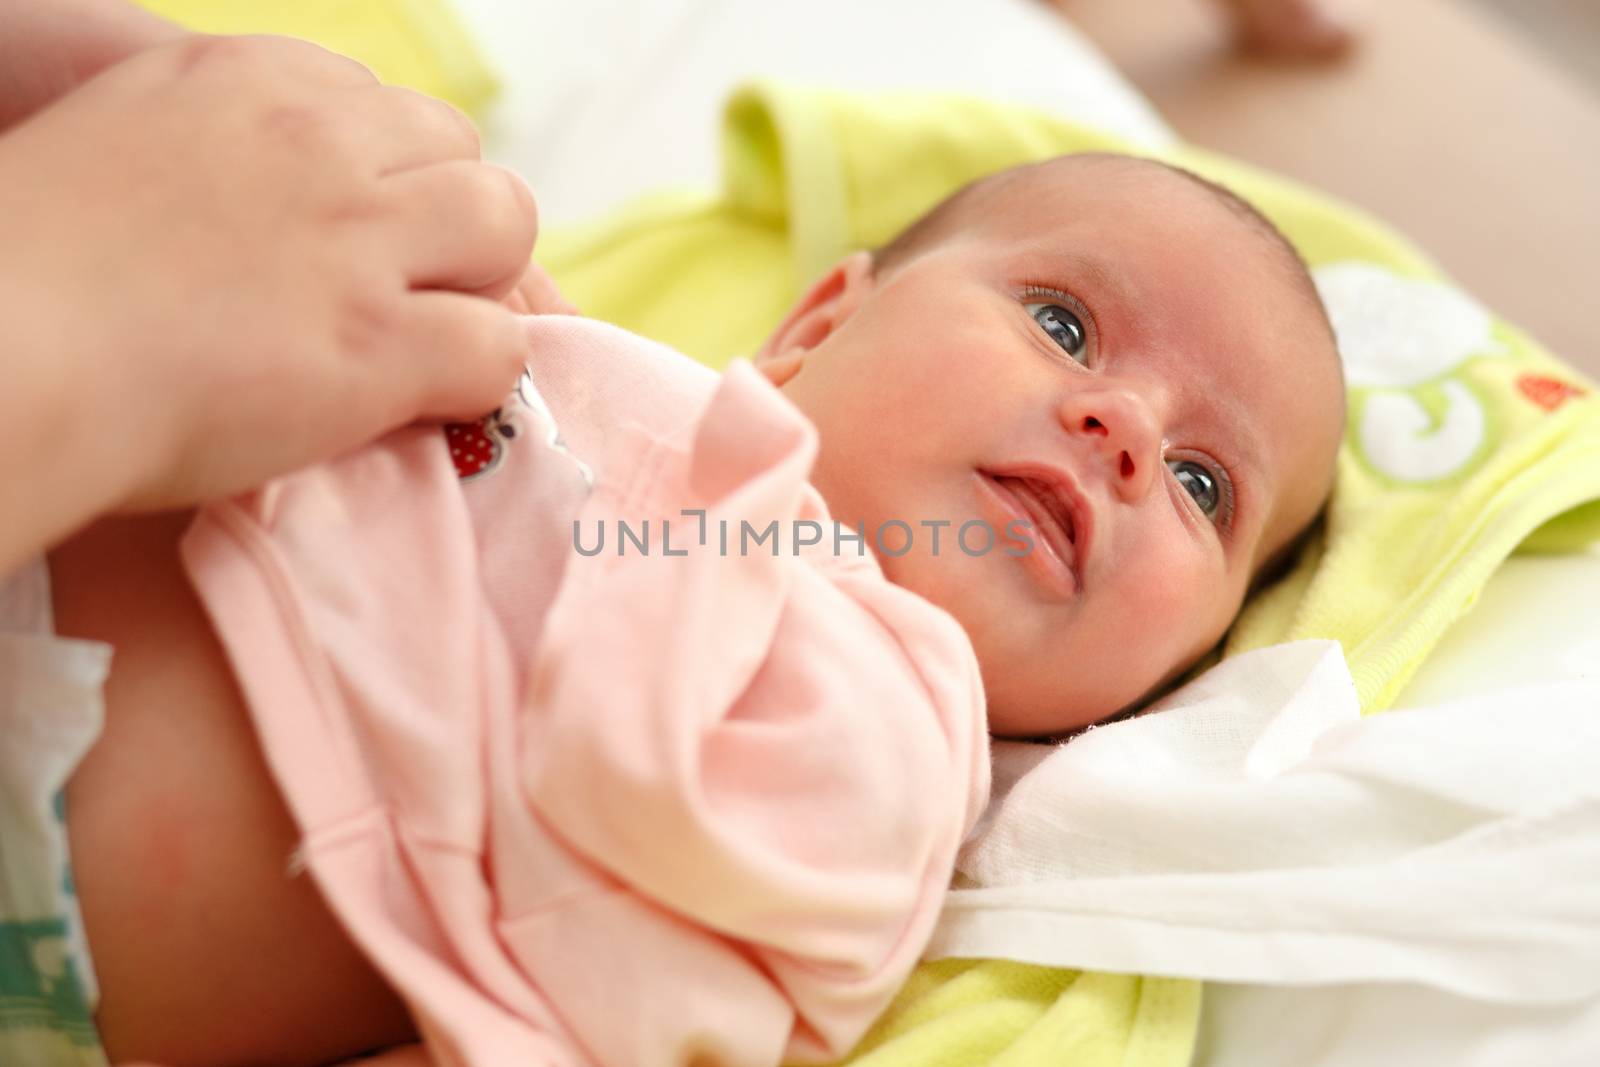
[207,950]
[1302,28]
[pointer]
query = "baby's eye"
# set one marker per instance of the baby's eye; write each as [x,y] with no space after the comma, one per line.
[1064,328]
[1200,484]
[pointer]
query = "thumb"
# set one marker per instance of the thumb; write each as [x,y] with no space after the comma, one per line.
[537,294]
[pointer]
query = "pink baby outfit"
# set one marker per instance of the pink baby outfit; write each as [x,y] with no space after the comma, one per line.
[629,810]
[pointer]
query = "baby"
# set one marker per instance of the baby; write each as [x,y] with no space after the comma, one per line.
[681,797]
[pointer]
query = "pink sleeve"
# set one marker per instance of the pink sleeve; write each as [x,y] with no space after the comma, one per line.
[788,751]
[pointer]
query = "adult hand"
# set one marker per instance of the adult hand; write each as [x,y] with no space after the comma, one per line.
[538,294]
[229,257]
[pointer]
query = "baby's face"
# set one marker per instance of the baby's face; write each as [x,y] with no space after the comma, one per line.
[1112,358]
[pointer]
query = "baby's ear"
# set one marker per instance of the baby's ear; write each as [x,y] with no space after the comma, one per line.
[824,307]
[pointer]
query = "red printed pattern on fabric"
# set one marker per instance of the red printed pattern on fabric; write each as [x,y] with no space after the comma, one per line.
[1548,393]
[476,448]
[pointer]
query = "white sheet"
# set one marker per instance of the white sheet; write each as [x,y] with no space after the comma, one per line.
[1255,828]
[1371,1025]
[1534,621]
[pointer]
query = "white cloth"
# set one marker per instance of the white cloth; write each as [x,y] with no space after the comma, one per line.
[1259,830]
[1385,1025]
[51,712]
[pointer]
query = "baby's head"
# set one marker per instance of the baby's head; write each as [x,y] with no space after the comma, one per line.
[1125,358]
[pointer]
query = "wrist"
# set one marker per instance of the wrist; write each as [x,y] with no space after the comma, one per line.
[72,446]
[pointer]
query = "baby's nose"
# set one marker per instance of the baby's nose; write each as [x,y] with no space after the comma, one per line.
[1123,429]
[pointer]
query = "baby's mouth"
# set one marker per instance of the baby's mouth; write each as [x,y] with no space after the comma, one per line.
[1047,513]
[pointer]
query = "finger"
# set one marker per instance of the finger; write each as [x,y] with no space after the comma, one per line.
[461,225]
[462,353]
[415,129]
[540,295]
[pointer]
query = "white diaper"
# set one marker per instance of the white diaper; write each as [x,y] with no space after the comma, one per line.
[51,710]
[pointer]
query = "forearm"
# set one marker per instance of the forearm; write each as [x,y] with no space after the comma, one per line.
[49,46]
[65,456]
[71,447]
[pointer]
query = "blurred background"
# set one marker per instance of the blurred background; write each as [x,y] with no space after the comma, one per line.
[1568,29]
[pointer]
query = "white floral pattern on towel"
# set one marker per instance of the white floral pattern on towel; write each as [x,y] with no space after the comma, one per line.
[1402,338]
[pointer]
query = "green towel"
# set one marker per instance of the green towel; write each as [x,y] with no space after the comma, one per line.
[994,1013]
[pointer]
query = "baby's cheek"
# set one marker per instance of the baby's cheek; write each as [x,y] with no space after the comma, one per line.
[1164,580]
[1179,601]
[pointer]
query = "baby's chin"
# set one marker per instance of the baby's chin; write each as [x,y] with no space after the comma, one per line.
[1087,687]
[1017,717]
[1005,725]
[1031,715]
